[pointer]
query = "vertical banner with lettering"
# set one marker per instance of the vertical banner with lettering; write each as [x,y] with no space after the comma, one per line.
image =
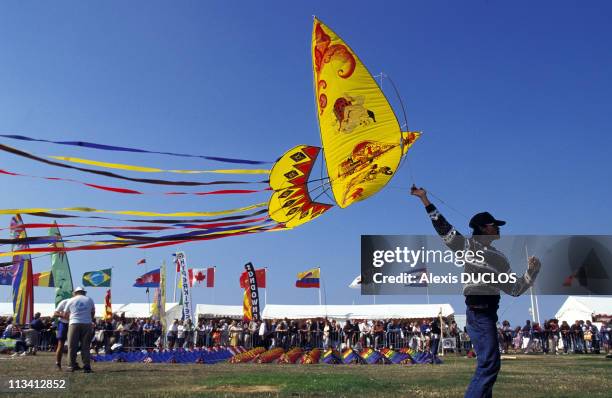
[180,260]
[252,292]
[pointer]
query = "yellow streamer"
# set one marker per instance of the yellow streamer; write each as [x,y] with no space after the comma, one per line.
[144,169]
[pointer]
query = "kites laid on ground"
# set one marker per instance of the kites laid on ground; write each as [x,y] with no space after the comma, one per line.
[362,142]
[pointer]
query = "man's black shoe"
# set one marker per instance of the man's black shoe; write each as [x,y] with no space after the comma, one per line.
[87,370]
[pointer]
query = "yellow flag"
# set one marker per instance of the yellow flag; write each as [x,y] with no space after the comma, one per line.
[361,136]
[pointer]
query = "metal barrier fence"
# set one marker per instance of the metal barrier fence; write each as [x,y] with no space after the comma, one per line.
[308,339]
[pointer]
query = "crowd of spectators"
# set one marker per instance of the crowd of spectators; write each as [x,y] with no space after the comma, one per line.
[581,337]
[421,335]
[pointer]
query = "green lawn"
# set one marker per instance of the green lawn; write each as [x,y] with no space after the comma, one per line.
[527,376]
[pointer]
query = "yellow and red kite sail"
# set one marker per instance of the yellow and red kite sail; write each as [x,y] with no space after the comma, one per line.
[291,203]
[362,139]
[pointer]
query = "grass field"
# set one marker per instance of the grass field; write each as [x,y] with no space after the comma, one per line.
[526,376]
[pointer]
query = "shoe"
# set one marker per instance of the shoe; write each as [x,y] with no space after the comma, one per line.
[87,370]
[58,366]
[23,354]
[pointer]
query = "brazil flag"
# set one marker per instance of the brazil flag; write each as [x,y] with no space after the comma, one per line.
[101,278]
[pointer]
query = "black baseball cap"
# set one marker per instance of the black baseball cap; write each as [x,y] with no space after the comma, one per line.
[482,219]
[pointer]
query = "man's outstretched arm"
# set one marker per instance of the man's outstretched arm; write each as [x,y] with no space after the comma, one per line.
[452,238]
[524,282]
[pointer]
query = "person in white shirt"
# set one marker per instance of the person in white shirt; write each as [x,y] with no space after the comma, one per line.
[62,331]
[180,340]
[172,334]
[80,311]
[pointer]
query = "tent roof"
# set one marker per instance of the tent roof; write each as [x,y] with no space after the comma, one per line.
[273,311]
[387,311]
[132,310]
[100,309]
[218,311]
[45,309]
[584,306]
[138,310]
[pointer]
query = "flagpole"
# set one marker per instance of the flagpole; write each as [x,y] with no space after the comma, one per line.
[213,288]
[174,289]
[147,291]
[266,289]
[533,313]
[110,288]
[320,279]
[537,307]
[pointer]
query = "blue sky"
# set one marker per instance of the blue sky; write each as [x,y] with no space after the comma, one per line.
[514,101]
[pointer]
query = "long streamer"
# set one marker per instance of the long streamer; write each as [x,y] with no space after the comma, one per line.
[136,212]
[144,169]
[142,227]
[135,192]
[155,221]
[27,155]
[137,236]
[160,241]
[105,147]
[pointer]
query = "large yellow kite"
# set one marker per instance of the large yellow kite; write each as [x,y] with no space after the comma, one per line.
[362,140]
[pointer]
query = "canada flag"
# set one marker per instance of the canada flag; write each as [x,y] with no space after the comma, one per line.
[197,277]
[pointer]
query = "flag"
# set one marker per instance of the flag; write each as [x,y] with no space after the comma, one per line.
[250,306]
[178,266]
[179,285]
[150,279]
[309,278]
[260,274]
[108,308]
[162,298]
[247,312]
[356,283]
[23,288]
[197,277]
[60,268]
[101,278]
[6,275]
[43,279]
[155,304]
[419,274]
[185,292]
[141,261]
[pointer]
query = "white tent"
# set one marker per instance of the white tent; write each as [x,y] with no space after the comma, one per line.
[219,311]
[584,308]
[132,310]
[343,312]
[173,311]
[45,309]
[100,308]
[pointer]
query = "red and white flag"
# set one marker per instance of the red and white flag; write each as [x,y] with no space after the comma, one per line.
[201,276]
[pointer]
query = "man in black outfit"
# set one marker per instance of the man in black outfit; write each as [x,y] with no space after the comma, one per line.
[481,299]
